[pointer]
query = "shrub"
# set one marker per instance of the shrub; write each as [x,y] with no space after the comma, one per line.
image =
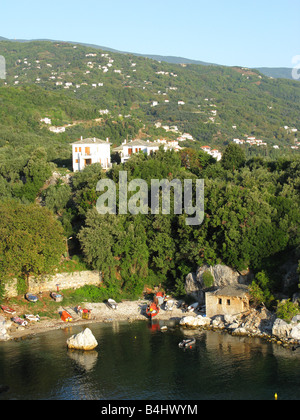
[286,310]
[208,279]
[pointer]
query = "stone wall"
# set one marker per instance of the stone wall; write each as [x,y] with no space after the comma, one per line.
[48,283]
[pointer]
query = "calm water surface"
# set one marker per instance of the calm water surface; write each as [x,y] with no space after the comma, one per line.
[136,362]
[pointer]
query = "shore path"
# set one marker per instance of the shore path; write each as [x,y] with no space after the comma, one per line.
[127,311]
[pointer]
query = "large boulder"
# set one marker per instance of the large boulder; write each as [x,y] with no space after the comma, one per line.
[282,329]
[191,321]
[4,327]
[83,341]
[222,276]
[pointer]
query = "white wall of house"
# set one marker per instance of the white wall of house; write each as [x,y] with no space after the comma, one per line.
[129,149]
[88,152]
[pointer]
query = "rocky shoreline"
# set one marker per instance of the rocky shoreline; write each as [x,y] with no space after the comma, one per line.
[258,323]
[262,324]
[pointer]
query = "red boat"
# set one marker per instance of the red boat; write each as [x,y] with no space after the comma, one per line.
[159,298]
[8,310]
[66,317]
[152,310]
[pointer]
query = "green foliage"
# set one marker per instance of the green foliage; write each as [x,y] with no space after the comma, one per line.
[92,294]
[31,241]
[286,310]
[208,279]
[233,158]
[260,290]
[57,197]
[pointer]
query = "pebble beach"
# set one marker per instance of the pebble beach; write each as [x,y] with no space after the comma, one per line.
[127,311]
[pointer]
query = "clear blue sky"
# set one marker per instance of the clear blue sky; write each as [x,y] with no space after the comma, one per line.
[233,32]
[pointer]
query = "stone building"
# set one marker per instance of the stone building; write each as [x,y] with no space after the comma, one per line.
[230,300]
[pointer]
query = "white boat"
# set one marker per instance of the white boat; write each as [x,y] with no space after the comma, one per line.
[35,318]
[187,343]
[112,303]
[169,305]
[193,307]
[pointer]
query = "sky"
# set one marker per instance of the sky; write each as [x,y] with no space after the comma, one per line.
[252,33]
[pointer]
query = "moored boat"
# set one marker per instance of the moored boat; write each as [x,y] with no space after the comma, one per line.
[169,305]
[66,317]
[31,297]
[152,310]
[159,298]
[193,307]
[187,343]
[56,296]
[35,318]
[8,310]
[19,321]
[83,312]
[112,304]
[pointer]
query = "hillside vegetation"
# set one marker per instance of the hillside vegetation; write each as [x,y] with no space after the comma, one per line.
[251,196]
[127,86]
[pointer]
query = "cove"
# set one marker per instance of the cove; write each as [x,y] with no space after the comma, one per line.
[137,361]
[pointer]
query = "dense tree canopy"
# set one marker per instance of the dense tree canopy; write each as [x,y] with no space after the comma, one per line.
[32,241]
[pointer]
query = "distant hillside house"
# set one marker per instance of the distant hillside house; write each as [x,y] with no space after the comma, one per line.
[231,300]
[86,152]
[126,150]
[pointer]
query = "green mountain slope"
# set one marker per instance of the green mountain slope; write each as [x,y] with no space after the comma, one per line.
[285,73]
[213,103]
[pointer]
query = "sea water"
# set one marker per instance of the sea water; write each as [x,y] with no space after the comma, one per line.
[137,361]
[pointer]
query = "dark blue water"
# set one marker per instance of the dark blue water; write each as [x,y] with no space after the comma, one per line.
[135,362]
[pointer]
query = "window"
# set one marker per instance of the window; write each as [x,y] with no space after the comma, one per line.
[76,161]
[76,149]
[87,150]
[228,302]
[220,301]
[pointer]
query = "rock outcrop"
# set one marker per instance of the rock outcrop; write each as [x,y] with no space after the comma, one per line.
[222,276]
[82,341]
[4,327]
[284,330]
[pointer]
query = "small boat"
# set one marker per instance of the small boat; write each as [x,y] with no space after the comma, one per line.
[152,310]
[19,321]
[66,317]
[83,312]
[8,310]
[187,343]
[193,307]
[159,298]
[169,305]
[112,304]
[35,318]
[31,298]
[56,296]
